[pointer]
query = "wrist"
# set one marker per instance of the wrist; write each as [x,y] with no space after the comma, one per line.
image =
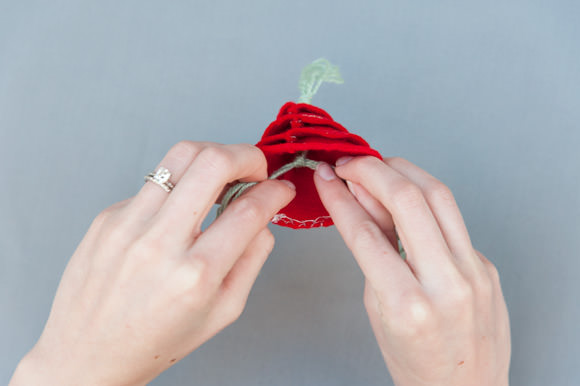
[38,369]
[30,371]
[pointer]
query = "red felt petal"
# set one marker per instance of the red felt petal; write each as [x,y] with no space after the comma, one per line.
[311,120]
[293,121]
[302,108]
[303,134]
[343,148]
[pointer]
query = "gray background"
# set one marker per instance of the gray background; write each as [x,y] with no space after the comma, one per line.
[483,95]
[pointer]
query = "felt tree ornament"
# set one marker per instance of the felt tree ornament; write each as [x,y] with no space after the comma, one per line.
[301,136]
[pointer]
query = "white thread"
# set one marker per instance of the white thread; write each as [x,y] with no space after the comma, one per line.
[317,222]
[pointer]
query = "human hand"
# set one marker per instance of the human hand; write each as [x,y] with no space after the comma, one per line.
[145,286]
[439,316]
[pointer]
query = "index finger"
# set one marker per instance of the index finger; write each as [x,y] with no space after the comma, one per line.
[381,264]
[426,248]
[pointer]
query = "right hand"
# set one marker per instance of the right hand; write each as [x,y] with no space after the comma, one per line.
[439,316]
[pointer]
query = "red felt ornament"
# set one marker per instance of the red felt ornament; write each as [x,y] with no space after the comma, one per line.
[302,127]
[301,136]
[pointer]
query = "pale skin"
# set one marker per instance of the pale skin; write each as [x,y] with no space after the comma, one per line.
[146,286]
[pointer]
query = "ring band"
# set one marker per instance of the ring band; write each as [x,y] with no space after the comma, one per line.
[161,178]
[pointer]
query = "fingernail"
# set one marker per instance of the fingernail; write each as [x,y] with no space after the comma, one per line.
[289,184]
[350,187]
[325,172]
[343,160]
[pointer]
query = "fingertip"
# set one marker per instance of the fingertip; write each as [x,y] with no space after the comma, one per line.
[343,160]
[290,190]
[359,169]
[285,191]
[325,172]
[288,187]
[289,184]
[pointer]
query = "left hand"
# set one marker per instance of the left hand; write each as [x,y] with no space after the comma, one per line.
[146,286]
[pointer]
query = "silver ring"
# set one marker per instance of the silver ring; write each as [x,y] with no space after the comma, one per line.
[161,178]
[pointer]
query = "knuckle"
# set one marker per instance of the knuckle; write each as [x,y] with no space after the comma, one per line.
[113,229]
[395,160]
[236,309]
[256,155]
[462,295]
[193,299]
[369,300]
[190,283]
[365,234]
[369,303]
[216,160]
[367,162]
[415,316]
[247,209]
[139,249]
[195,272]
[110,211]
[489,266]
[484,287]
[184,150]
[252,148]
[459,301]
[155,238]
[268,241]
[493,272]
[407,196]
[145,247]
[438,191]
[101,218]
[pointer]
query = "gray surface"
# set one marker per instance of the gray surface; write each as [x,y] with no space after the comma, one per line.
[484,96]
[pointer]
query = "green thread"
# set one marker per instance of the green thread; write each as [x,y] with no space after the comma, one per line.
[401,250]
[313,75]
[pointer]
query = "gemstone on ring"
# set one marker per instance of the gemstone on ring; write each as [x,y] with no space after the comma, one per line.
[161,178]
[161,175]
